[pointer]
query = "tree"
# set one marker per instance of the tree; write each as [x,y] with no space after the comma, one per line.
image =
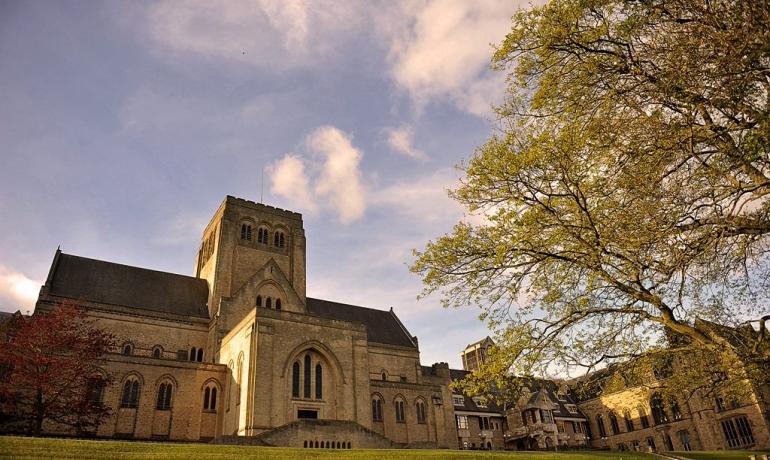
[625,194]
[51,372]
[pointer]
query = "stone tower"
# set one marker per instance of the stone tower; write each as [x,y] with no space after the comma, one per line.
[242,239]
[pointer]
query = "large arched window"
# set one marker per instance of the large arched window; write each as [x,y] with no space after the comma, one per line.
[629,420]
[614,423]
[210,398]
[659,414]
[278,239]
[318,381]
[400,414]
[420,408]
[306,392]
[130,396]
[295,380]
[600,424]
[165,391]
[643,417]
[376,408]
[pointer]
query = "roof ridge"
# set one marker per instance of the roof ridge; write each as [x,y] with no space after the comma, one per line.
[347,304]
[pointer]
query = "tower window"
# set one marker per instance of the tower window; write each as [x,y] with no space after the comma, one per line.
[259,300]
[246,232]
[269,303]
[279,240]
[193,353]
[157,351]
[128,349]
[277,304]
[200,355]
[318,382]
[262,235]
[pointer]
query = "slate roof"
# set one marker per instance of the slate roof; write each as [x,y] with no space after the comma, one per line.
[123,285]
[470,405]
[381,326]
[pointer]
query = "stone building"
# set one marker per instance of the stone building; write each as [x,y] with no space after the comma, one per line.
[240,353]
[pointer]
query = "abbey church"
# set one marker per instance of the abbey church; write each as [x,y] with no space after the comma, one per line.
[238,353]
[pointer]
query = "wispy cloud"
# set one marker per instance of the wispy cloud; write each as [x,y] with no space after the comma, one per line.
[16,290]
[401,140]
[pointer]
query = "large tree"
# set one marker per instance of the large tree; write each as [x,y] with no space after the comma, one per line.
[51,373]
[626,193]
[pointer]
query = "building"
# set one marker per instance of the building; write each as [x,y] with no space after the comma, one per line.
[240,353]
[475,354]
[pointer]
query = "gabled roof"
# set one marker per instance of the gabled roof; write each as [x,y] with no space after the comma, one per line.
[123,285]
[381,326]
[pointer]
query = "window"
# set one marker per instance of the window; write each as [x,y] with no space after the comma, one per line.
[458,400]
[614,423]
[210,399]
[164,396]
[295,380]
[238,375]
[200,355]
[667,442]
[576,427]
[643,417]
[420,406]
[480,402]
[400,416]
[269,302]
[377,409]
[157,351]
[483,423]
[259,300]
[629,420]
[278,239]
[737,432]
[546,416]
[246,232]
[318,381]
[128,349]
[684,439]
[262,236]
[651,442]
[95,390]
[130,396]
[193,353]
[571,408]
[659,414]
[462,422]
[277,304]
[600,424]
[306,392]
[228,395]
[676,414]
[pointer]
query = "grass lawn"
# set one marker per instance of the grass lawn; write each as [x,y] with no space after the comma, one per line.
[19,447]
[721,455]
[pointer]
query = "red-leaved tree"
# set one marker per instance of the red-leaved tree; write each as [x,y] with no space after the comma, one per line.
[50,372]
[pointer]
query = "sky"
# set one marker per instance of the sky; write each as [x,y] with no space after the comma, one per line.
[123,126]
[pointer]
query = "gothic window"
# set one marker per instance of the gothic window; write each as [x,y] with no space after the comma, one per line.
[420,406]
[614,423]
[400,415]
[737,432]
[629,420]
[262,235]
[659,414]
[306,393]
[600,424]
[128,349]
[95,390]
[643,417]
[384,377]
[376,409]
[269,302]
[130,396]
[277,304]
[684,439]
[164,396]
[318,382]
[228,395]
[259,300]
[278,239]
[246,232]
[157,351]
[210,399]
[239,374]
[295,380]
[193,353]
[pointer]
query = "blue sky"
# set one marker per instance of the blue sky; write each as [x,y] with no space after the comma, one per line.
[124,124]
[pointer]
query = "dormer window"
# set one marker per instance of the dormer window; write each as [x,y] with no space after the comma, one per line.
[458,400]
[480,402]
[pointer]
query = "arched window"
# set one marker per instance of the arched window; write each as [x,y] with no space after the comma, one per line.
[318,382]
[306,393]
[193,353]
[210,399]
[95,390]
[164,396]
[200,355]
[239,374]
[262,236]
[130,396]
[157,351]
[269,302]
[295,380]
[643,417]
[384,377]
[676,413]
[128,349]
[277,304]
[421,414]
[376,408]
[614,423]
[659,414]
[278,239]
[400,414]
[629,420]
[600,424]
[259,300]
[246,232]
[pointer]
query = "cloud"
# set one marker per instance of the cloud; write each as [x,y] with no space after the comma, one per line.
[340,179]
[16,290]
[289,180]
[401,140]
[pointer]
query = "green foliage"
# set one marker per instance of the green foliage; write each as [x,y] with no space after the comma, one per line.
[625,194]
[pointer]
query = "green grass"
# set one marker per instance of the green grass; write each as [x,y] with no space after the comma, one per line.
[721,455]
[20,447]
